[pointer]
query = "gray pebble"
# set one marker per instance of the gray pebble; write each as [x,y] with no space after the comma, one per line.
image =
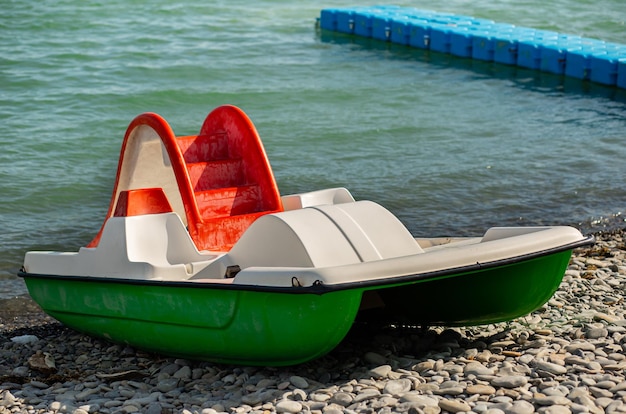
[596,333]
[251,399]
[449,391]
[509,381]
[299,382]
[550,367]
[154,408]
[375,358]
[551,400]
[170,369]
[342,398]
[366,395]
[167,384]
[579,345]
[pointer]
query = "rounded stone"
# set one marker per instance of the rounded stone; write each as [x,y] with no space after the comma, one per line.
[449,391]
[397,387]
[555,409]
[183,373]
[298,382]
[251,399]
[375,358]
[454,406]
[578,345]
[596,333]
[550,367]
[342,398]
[153,408]
[167,384]
[380,371]
[423,366]
[551,400]
[170,369]
[478,369]
[366,395]
[509,381]
[521,407]
[480,389]
[288,406]
[419,399]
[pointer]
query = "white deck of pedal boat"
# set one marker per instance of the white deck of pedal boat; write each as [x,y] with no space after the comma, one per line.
[322,237]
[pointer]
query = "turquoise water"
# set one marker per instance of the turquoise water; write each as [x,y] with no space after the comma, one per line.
[449,145]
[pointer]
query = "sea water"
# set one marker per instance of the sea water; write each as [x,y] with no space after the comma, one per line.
[451,146]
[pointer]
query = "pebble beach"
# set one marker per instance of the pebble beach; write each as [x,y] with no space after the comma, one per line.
[566,357]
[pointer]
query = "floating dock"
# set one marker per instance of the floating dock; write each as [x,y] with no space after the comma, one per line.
[482,39]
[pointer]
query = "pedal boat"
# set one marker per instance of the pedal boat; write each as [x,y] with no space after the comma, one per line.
[200,257]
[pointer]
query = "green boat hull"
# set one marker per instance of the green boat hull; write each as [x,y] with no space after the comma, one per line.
[265,327]
[479,297]
[221,325]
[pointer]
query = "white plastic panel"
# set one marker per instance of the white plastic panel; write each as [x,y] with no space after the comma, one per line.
[324,236]
[316,198]
[153,246]
[450,256]
[298,238]
[372,229]
[146,164]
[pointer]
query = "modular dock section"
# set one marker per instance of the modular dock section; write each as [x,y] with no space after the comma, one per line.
[464,36]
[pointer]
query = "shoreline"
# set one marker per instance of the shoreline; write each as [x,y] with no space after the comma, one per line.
[566,357]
